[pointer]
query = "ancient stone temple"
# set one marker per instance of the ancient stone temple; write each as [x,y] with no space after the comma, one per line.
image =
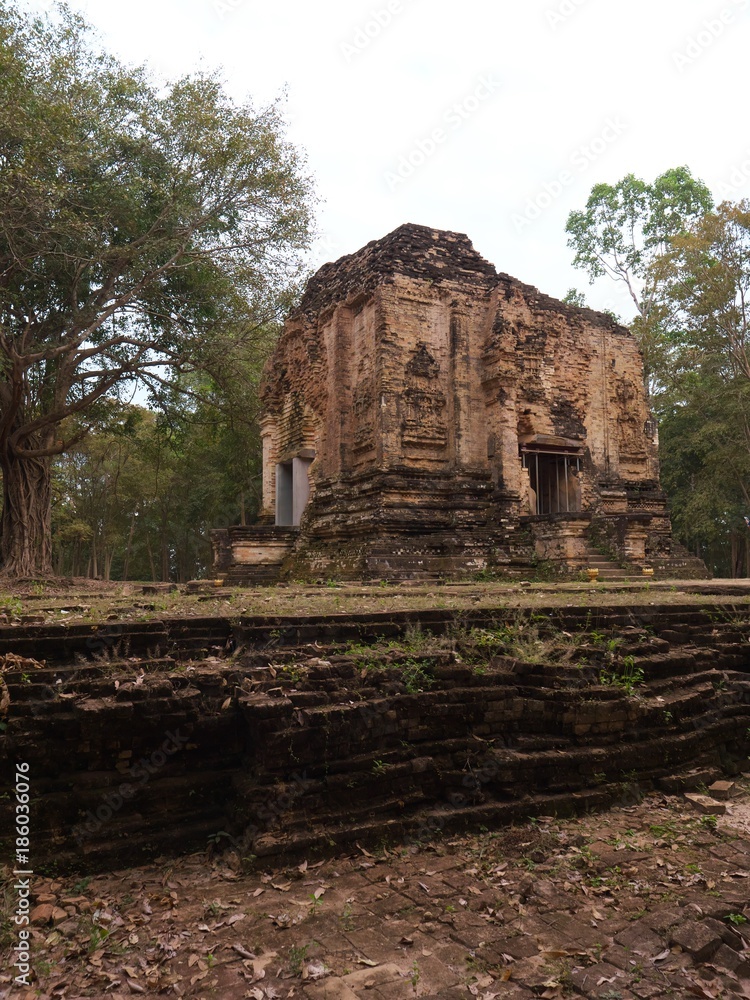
[425,415]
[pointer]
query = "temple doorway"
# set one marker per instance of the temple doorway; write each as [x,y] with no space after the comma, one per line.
[292,491]
[554,481]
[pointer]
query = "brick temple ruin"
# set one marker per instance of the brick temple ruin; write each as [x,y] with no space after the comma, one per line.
[425,415]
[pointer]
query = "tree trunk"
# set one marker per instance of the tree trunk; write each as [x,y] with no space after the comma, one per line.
[151,560]
[165,560]
[94,564]
[26,545]
[126,567]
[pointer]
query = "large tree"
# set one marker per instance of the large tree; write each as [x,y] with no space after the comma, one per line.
[145,231]
[704,277]
[704,398]
[624,228]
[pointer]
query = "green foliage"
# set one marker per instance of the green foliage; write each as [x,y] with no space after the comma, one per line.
[703,402]
[415,975]
[297,956]
[416,676]
[120,199]
[624,228]
[624,225]
[686,267]
[624,674]
[574,298]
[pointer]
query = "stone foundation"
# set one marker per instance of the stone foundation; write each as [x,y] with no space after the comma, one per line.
[304,736]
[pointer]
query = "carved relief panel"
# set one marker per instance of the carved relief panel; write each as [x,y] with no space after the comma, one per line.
[363,416]
[632,445]
[424,404]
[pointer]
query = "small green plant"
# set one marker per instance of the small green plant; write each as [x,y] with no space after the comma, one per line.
[709,821]
[219,839]
[11,606]
[415,677]
[80,887]
[738,919]
[415,976]
[97,938]
[625,675]
[347,921]
[42,967]
[664,831]
[291,673]
[379,767]
[297,956]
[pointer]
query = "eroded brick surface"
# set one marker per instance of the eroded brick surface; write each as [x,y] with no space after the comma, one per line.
[447,418]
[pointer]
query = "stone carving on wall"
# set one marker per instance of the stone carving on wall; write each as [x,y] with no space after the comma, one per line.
[632,446]
[363,413]
[424,404]
[422,364]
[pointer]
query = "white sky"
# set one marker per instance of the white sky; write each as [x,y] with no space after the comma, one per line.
[518,89]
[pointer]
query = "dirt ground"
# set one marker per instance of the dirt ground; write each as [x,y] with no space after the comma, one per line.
[648,900]
[86,601]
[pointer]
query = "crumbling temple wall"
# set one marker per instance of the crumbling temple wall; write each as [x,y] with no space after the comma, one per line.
[423,413]
[138,743]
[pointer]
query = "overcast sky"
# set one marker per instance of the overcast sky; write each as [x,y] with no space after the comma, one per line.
[488,117]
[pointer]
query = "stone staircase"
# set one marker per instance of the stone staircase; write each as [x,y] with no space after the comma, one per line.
[608,568]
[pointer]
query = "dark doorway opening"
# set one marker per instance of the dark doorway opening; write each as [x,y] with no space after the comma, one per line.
[292,491]
[555,482]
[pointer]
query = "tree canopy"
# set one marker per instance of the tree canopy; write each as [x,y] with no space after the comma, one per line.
[625,227]
[687,267]
[146,232]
